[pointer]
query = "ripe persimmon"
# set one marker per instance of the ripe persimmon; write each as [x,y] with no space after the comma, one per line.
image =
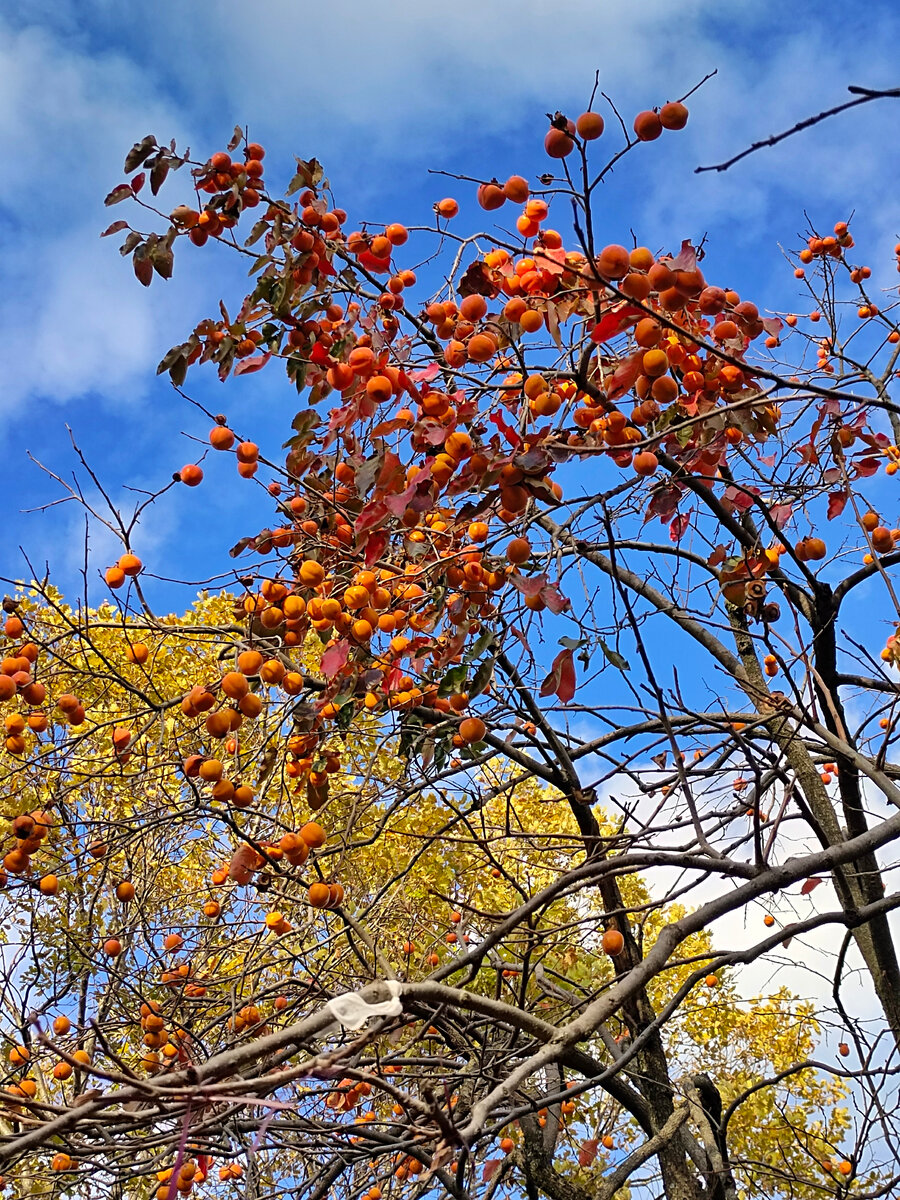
[211,770]
[558,143]
[191,475]
[518,550]
[130,564]
[473,307]
[234,685]
[613,262]
[647,333]
[645,463]
[647,126]
[673,115]
[249,662]
[481,347]
[613,942]
[471,730]
[491,196]
[589,126]
[313,835]
[516,189]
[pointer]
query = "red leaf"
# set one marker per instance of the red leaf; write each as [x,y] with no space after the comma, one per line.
[116,227]
[614,321]
[781,514]
[561,679]
[122,192]
[624,375]
[138,182]
[678,526]
[588,1152]
[334,658]
[391,468]
[143,269]
[551,316]
[243,863]
[740,497]
[512,437]
[371,514]
[528,585]
[433,433]
[477,280]
[426,374]
[379,266]
[810,886]
[387,427]
[866,466]
[375,547]
[397,504]
[248,365]
[687,258]
[772,325]
[489,1168]
[836,502]
[664,502]
[554,599]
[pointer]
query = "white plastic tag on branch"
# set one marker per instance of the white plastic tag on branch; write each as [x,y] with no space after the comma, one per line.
[352,1011]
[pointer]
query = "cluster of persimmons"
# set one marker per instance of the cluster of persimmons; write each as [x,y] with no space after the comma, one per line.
[409,506]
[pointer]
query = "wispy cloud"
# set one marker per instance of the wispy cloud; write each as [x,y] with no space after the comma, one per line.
[69,309]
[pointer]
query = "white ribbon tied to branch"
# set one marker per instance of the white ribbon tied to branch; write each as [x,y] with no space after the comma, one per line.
[352,1011]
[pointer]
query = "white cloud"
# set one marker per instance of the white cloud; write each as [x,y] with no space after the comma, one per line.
[70,307]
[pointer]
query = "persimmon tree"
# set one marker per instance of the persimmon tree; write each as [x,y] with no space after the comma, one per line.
[433,851]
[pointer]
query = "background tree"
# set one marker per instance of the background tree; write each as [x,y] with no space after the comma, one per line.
[485,794]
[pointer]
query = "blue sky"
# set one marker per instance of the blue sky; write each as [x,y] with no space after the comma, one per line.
[380,95]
